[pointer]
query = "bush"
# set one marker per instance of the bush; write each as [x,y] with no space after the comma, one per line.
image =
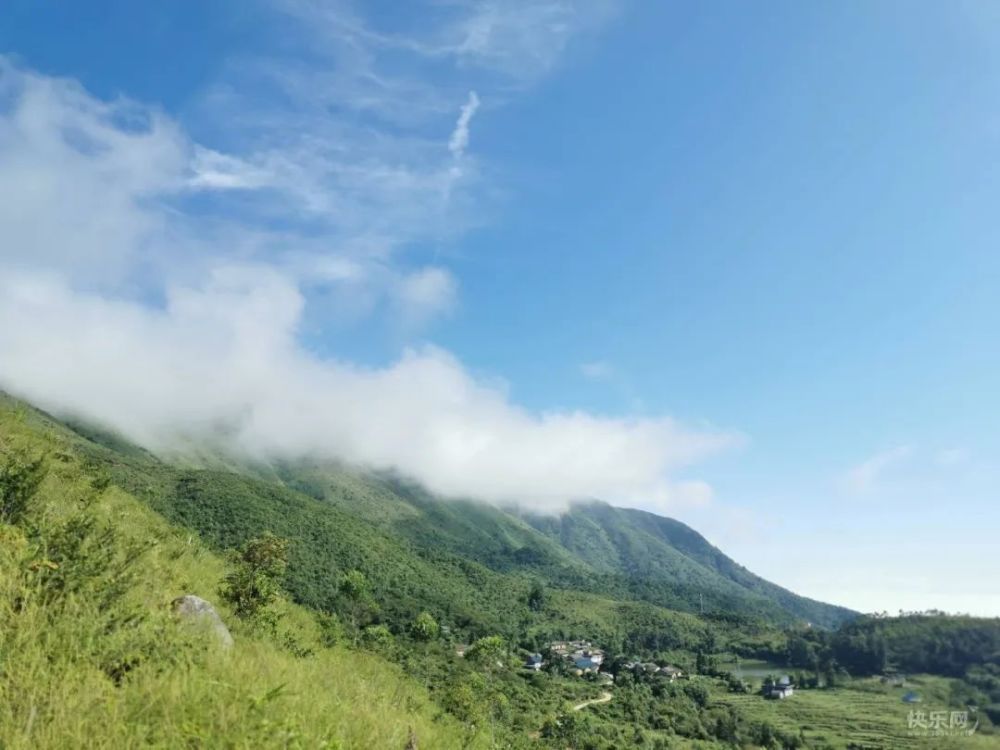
[425,627]
[20,477]
[253,585]
[377,638]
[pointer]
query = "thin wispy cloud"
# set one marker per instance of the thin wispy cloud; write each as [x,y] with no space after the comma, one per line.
[459,140]
[517,41]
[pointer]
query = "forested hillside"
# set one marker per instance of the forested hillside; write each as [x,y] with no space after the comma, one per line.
[473,561]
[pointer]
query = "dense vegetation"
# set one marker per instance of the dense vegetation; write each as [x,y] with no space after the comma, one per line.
[474,566]
[98,537]
[91,654]
[666,562]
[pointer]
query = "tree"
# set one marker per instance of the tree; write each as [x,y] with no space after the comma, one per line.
[425,627]
[253,584]
[704,663]
[331,631]
[377,638]
[487,652]
[359,602]
[830,674]
[20,477]
[567,727]
[536,597]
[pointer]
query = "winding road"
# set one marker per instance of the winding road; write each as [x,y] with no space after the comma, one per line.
[603,698]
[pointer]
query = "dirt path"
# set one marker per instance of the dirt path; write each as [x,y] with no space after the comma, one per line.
[604,698]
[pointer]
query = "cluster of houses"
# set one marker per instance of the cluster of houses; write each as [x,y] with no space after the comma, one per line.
[584,659]
[666,671]
[581,656]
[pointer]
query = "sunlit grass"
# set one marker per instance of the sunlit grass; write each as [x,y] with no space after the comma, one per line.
[79,672]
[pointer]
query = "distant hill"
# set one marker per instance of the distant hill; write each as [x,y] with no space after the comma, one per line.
[649,551]
[594,547]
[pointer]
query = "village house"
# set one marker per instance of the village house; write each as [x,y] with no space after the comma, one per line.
[783,688]
[667,671]
[534,662]
[580,654]
[586,664]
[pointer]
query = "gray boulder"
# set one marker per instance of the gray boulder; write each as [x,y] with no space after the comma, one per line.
[197,610]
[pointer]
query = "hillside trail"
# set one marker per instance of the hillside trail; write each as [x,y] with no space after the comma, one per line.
[604,698]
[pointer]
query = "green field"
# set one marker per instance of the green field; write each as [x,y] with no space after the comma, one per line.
[865,714]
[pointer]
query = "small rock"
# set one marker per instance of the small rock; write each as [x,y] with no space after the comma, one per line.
[196,609]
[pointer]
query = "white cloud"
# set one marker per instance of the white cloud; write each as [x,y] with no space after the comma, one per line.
[75,173]
[220,362]
[459,140]
[157,285]
[425,293]
[213,170]
[865,477]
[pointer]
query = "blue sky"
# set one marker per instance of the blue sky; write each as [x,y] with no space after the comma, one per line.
[735,263]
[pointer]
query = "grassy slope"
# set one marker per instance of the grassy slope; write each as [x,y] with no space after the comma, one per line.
[56,691]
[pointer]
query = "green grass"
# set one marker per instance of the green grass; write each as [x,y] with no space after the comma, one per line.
[866,714]
[86,664]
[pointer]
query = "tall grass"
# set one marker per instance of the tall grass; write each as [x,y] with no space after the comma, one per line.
[91,655]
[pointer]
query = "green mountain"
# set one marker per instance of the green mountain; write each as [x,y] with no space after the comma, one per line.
[656,554]
[471,561]
[594,547]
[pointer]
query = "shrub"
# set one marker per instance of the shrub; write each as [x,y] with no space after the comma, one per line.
[425,627]
[377,637]
[253,584]
[20,477]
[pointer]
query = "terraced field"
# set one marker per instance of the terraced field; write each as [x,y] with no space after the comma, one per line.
[864,716]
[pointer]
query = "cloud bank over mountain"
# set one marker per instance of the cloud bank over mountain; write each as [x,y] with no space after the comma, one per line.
[222,363]
[157,284]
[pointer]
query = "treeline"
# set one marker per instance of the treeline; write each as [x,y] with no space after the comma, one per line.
[932,643]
